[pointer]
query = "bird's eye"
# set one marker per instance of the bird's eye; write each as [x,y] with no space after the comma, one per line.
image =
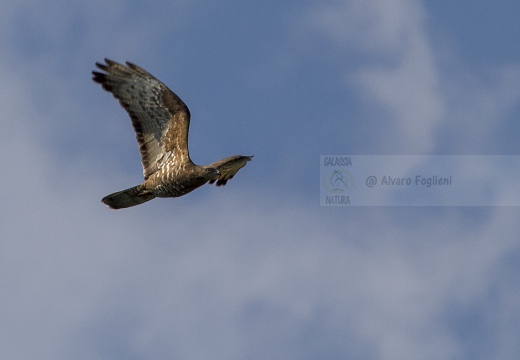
[207,170]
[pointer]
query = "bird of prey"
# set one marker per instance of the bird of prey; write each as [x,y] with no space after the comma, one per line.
[161,122]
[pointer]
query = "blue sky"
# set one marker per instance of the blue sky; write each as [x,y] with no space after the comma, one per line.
[257,269]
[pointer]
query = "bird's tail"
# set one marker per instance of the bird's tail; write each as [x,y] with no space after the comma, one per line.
[130,197]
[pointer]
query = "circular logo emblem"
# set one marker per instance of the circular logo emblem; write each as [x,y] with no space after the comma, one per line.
[338,181]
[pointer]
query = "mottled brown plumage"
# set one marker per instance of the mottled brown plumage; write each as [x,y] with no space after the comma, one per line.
[161,122]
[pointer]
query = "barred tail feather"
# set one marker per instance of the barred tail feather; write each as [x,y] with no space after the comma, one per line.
[127,198]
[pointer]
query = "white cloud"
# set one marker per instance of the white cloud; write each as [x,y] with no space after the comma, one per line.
[404,78]
[479,105]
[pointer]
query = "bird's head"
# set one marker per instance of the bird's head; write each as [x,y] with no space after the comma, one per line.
[207,173]
[210,171]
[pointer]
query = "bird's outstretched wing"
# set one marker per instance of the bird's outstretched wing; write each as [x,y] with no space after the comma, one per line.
[228,167]
[160,118]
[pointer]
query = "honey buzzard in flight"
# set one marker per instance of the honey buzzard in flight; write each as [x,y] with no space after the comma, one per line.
[161,122]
